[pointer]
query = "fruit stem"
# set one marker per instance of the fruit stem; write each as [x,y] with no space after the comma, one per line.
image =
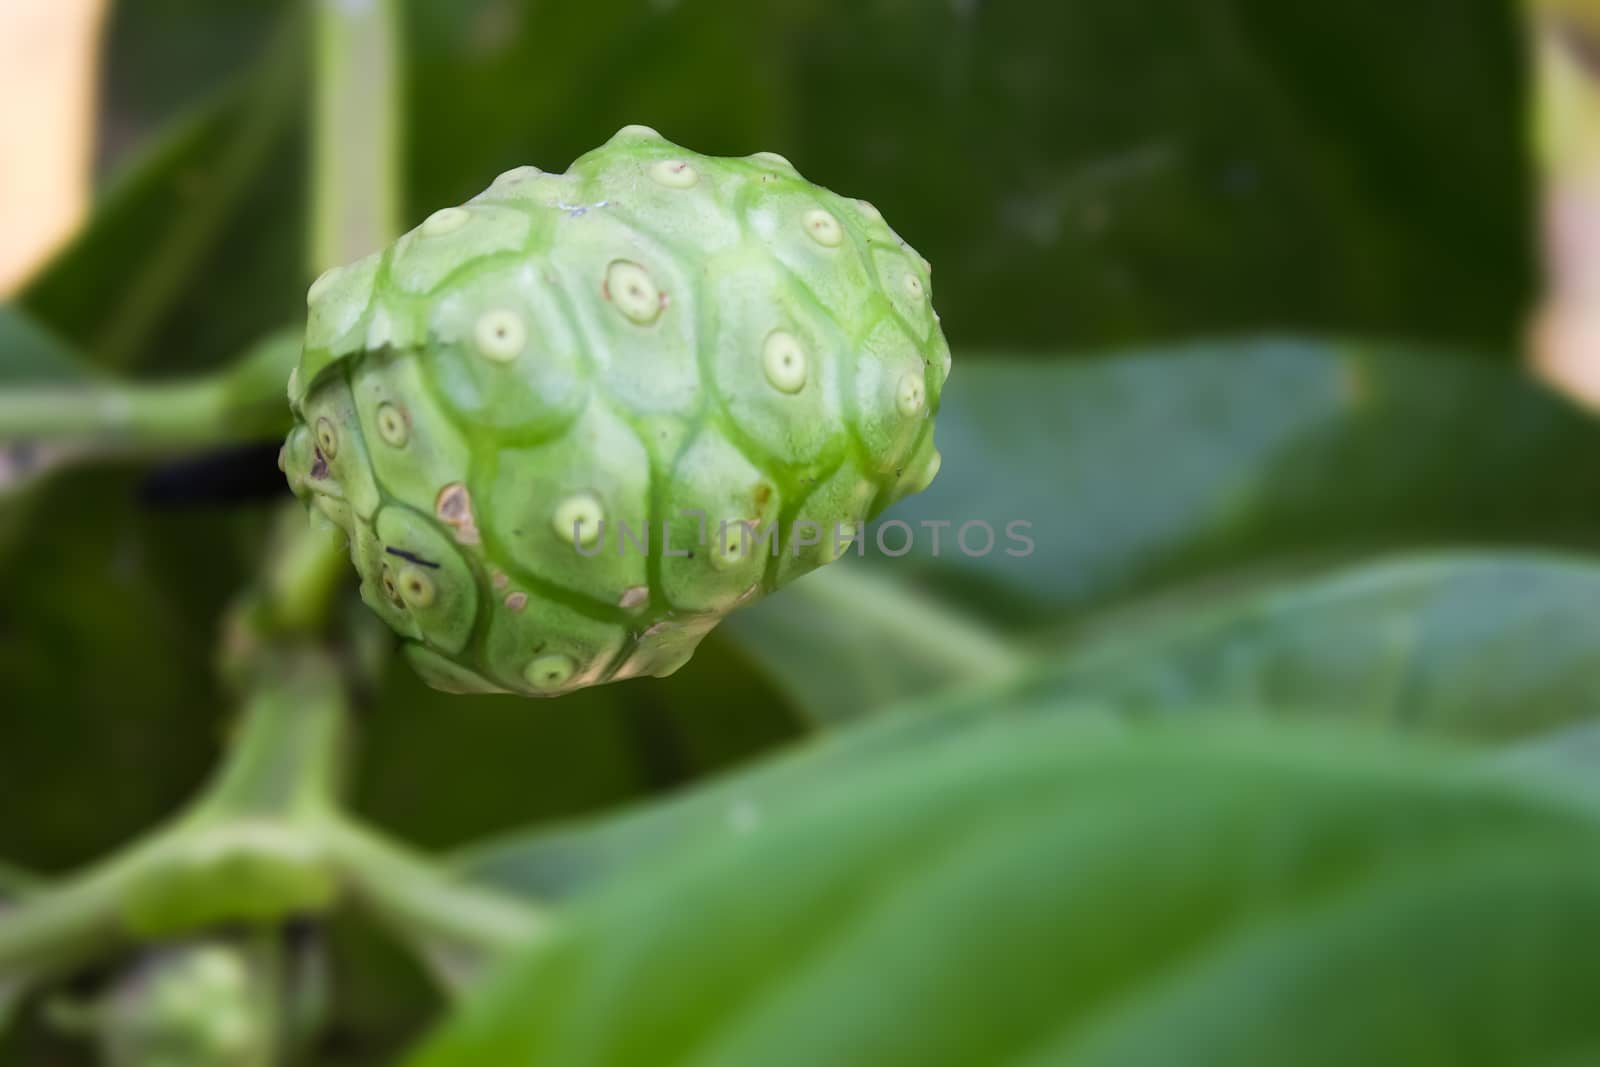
[286,760]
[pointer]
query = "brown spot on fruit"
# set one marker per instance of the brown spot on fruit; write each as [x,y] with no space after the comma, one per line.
[453,506]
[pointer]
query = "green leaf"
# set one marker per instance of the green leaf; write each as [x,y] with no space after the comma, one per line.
[1485,647]
[1050,895]
[1150,470]
[1568,757]
[1079,174]
[1478,646]
[29,353]
[159,242]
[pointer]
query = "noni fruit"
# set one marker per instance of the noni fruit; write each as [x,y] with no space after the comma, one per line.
[571,424]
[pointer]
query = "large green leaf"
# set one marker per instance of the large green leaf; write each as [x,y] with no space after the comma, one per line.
[1078,172]
[1051,895]
[1214,465]
[1152,469]
[1473,647]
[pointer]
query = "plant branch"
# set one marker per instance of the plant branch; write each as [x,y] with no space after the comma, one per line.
[356,162]
[457,927]
[306,572]
[286,760]
[241,402]
[282,770]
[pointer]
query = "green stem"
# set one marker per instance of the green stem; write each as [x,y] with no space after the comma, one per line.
[75,921]
[113,415]
[287,758]
[283,767]
[356,162]
[305,575]
[457,927]
[243,401]
[928,629]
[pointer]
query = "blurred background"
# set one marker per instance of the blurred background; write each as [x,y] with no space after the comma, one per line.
[1088,177]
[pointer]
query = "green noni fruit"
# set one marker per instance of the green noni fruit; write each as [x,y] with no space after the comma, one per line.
[571,424]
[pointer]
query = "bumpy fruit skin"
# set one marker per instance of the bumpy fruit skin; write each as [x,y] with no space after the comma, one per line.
[504,408]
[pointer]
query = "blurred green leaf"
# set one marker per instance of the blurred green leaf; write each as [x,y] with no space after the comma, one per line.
[166,238]
[1569,757]
[160,56]
[1079,173]
[1489,647]
[1481,647]
[1154,469]
[31,354]
[1053,895]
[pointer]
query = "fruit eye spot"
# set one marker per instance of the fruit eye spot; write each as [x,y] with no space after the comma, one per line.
[500,335]
[393,427]
[733,547]
[628,285]
[674,174]
[327,438]
[445,220]
[908,398]
[577,519]
[416,588]
[914,286]
[824,228]
[550,671]
[785,362]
